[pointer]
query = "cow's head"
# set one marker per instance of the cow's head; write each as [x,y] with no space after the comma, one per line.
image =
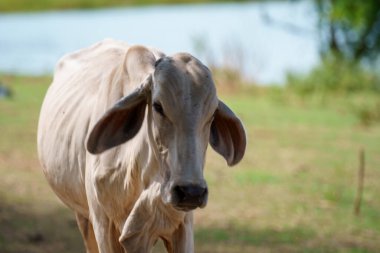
[184,115]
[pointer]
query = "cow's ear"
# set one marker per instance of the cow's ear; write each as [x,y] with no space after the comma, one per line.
[122,122]
[227,136]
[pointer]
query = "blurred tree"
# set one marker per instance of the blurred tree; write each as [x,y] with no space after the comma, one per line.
[349,29]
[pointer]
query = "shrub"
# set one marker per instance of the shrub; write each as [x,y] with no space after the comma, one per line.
[368,114]
[334,75]
[344,85]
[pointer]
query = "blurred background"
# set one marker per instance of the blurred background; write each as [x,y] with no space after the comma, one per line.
[303,75]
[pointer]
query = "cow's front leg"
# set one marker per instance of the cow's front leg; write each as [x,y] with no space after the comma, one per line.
[149,220]
[87,232]
[105,231]
[182,239]
[101,226]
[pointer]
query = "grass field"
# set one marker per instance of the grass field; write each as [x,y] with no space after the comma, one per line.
[293,192]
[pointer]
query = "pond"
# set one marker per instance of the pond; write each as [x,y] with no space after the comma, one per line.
[263,40]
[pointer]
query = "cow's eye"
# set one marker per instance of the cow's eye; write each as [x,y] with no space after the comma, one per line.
[158,108]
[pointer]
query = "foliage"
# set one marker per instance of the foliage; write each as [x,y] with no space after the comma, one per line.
[367,112]
[345,85]
[350,46]
[36,5]
[335,75]
[350,28]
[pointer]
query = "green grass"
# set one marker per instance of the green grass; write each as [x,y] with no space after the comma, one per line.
[38,5]
[293,191]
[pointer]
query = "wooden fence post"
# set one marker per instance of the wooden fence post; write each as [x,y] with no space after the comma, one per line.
[360,186]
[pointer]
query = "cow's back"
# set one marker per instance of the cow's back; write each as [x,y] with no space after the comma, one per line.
[85,84]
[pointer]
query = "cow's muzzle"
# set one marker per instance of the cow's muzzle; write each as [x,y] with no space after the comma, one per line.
[189,197]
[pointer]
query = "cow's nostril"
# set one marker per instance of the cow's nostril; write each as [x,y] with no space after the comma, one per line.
[190,196]
[180,192]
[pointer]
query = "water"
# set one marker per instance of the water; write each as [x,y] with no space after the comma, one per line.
[237,35]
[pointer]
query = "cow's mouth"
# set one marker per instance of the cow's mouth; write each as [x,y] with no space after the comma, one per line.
[186,208]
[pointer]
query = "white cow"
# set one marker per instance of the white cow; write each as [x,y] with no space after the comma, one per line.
[122,138]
